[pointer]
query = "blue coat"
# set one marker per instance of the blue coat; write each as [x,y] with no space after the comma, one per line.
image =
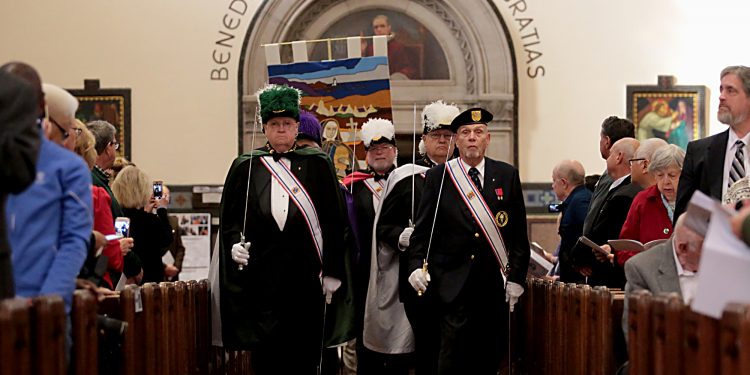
[49,225]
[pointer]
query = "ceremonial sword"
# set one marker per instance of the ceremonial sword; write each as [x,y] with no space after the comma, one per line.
[354,156]
[413,162]
[437,205]
[247,191]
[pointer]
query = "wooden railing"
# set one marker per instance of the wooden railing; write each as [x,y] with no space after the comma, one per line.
[561,329]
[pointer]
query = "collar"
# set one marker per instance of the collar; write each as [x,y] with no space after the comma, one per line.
[572,193]
[103,172]
[733,138]
[618,182]
[479,167]
[377,176]
[680,271]
[278,155]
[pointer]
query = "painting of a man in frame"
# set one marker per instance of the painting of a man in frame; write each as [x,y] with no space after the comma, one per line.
[413,51]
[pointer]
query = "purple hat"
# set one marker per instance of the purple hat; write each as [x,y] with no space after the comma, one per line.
[309,127]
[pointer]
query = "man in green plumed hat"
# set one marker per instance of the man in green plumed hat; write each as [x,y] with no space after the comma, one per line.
[281,244]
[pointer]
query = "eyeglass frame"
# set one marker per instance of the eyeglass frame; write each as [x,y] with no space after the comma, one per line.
[114,144]
[630,161]
[381,147]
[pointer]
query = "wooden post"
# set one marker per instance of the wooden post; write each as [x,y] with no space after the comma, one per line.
[639,332]
[701,344]
[85,338]
[15,336]
[49,331]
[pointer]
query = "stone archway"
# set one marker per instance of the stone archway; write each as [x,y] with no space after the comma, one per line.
[472,35]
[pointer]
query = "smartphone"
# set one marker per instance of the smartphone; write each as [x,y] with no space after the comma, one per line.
[554,207]
[158,189]
[122,226]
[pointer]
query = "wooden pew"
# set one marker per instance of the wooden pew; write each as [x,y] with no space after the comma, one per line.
[48,332]
[85,354]
[557,328]
[203,326]
[639,332]
[666,326]
[700,344]
[600,346]
[735,339]
[15,340]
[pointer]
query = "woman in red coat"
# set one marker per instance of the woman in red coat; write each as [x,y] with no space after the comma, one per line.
[651,213]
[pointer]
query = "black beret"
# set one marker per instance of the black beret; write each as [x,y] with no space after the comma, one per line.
[471,116]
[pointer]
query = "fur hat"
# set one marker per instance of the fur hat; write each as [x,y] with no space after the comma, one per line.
[378,130]
[438,115]
[61,105]
[278,101]
[309,127]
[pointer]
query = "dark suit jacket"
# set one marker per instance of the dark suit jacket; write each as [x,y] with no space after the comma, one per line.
[597,199]
[19,149]
[458,246]
[606,225]
[574,210]
[702,170]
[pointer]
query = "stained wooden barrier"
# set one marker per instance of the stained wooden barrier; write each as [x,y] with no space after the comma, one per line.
[15,337]
[84,360]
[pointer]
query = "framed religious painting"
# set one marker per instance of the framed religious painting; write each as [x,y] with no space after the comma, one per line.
[674,113]
[111,105]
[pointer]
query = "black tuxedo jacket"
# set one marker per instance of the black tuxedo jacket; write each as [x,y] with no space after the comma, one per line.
[459,248]
[702,170]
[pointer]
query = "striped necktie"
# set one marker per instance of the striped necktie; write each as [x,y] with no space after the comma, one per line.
[737,171]
[474,173]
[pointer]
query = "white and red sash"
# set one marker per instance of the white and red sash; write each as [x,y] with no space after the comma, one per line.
[376,188]
[479,210]
[300,197]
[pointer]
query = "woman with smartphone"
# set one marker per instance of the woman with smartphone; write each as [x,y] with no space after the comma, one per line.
[151,233]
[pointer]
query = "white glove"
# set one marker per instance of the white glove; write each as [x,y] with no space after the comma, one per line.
[512,292]
[419,280]
[241,253]
[403,239]
[330,286]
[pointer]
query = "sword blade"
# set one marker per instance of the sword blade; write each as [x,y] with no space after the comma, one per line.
[249,173]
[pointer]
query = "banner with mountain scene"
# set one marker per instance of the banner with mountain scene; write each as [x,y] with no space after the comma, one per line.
[343,94]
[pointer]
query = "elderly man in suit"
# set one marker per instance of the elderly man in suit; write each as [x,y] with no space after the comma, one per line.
[714,163]
[607,222]
[668,267]
[469,250]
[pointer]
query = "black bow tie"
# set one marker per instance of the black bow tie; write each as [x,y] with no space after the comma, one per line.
[278,155]
[378,177]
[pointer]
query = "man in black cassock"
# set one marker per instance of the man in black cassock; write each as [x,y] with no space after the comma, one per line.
[274,306]
[464,281]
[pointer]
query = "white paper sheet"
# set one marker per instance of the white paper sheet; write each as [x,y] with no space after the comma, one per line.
[724,274]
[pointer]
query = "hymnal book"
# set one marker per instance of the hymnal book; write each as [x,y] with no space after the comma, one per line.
[537,248]
[633,245]
[584,240]
[538,266]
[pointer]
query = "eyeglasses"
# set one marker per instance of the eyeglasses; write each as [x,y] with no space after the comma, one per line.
[381,148]
[437,136]
[115,144]
[65,133]
[631,161]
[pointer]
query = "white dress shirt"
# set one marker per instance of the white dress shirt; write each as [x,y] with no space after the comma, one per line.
[279,197]
[729,157]
[479,167]
[688,279]
[618,182]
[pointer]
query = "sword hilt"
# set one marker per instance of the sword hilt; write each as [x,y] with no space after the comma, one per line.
[242,242]
[424,270]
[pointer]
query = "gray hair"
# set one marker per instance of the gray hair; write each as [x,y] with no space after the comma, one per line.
[742,72]
[648,147]
[665,157]
[103,132]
